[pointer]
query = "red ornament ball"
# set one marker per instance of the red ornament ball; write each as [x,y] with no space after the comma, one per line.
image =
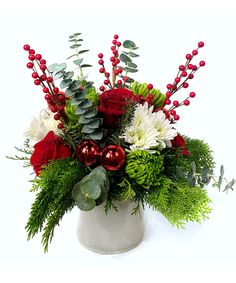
[113,157]
[88,152]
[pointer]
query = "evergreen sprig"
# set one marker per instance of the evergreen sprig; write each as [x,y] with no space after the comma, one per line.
[54,197]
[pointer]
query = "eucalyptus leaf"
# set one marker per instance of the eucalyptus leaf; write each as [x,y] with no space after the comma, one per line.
[68,75]
[83,51]
[193,167]
[71,56]
[52,67]
[61,67]
[91,113]
[129,44]
[85,66]
[84,203]
[69,92]
[132,65]
[58,75]
[83,120]
[65,83]
[87,130]
[95,123]
[76,85]
[124,58]
[97,135]
[132,54]
[130,70]
[78,61]
[73,101]
[80,95]
[77,33]
[75,46]
[222,170]
[91,189]
[79,111]
[86,103]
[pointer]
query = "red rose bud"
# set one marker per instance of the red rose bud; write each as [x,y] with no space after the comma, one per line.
[178,143]
[113,157]
[88,152]
[51,147]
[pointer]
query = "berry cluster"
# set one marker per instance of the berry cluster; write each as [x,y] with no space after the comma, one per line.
[185,73]
[55,99]
[116,70]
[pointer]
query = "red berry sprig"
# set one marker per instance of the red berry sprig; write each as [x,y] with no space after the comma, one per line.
[56,100]
[185,73]
[116,71]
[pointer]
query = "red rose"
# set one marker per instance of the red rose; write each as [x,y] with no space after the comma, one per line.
[179,143]
[51,147]
[112,104]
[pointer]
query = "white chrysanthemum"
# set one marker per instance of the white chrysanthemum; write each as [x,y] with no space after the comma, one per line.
[148,129]
[40,126]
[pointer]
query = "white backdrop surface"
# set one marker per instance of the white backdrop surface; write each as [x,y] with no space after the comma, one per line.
[165,31]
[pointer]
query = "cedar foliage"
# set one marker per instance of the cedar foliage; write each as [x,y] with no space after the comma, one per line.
[54,197]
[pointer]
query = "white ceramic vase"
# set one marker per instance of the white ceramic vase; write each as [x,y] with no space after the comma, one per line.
[111,233]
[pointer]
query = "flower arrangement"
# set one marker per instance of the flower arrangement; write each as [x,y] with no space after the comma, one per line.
[119,142]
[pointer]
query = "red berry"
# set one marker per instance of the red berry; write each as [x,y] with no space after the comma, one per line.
[47,97]
[50,79]
[117,61]
[53,109]
[60,126]
[188,56]
[190,66]
[107,75]
[176,117]
[200,44]
[116,36]
[100,55]
[195,68]
[101,70]
[115,52]
[190,76]
[57,116]
[169,86]
[31,51]
[37,82]
[176,103]
[114,41]
[106,82]
[192,94]
[172,112]
[102,88]
[43,67]
[62,98]
[35,75]
[116,72]
[167,101]
[119,82]
[120,69]
[43,78]
[43,62]
[56,89]
[181,67]
[45,89]
[202,63]
[113,47]
[177,79]
[184,74]
[168,94]
[38,56]
[114,64]
[112,59]
[31,57]
[125,79]
[118,44]
[30,65]
[185,85]
[195,52]
[150,86]
[100,62]
[26,47]
[186,102]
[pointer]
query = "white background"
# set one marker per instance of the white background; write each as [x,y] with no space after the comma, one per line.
[165,31]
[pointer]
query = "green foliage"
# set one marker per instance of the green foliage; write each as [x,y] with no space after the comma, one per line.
[144,167]
[142,89]
[179,202]
[185,168]
[26,151]
[54,197]
[92,189]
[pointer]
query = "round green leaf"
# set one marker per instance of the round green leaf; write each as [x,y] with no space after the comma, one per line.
[124,58]
[91,189]
[129,44]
